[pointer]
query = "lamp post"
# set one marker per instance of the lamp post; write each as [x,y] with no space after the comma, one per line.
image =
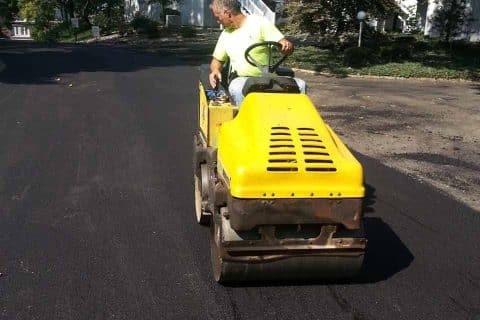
[361,15]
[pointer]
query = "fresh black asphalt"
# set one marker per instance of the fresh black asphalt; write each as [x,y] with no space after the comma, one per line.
[97,215]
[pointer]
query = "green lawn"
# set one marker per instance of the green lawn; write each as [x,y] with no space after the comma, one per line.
[425,60]
[70,37]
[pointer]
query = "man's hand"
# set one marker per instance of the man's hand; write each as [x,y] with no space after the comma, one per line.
[215,76]
[287,47]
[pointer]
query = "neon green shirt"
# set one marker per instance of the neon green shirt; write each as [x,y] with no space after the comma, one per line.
[232,44]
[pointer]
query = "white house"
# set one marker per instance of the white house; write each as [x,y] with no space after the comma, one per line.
[21,30]
[424,13]
[195,12]
[192,12]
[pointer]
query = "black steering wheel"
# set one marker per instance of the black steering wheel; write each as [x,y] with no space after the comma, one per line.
[271,66]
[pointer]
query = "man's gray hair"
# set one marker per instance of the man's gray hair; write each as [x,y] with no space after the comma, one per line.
[232,5]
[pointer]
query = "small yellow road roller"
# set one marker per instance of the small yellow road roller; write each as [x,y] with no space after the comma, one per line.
[280,192]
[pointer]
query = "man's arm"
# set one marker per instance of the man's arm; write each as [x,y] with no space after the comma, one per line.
[271,33]
[215,72]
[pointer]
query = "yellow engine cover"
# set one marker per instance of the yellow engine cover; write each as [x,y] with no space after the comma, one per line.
[279,147]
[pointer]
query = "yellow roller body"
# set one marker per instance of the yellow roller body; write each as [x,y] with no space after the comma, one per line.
[279,147]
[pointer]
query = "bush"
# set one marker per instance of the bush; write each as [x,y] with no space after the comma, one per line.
[50,35]
[169,11]
[396,52]
[356,56]
[144,25]
[188,32]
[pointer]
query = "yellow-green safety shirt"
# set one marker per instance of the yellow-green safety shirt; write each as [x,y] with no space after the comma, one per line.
[232,44]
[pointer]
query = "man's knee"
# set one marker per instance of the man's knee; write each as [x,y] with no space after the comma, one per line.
[236,89]
[302,85]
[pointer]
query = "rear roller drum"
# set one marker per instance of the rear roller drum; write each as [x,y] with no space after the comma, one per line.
[306,267]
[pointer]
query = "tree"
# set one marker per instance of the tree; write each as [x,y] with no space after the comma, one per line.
[333,17]
[38,12]
[449,17]
[8,10]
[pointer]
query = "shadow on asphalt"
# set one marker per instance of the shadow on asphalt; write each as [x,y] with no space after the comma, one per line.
[476,87]
[32,63]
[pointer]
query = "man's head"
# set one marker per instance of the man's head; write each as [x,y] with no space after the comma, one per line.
[225,11]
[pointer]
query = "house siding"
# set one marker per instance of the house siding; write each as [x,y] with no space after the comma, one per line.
[471,29]
[193,12]
[197,13]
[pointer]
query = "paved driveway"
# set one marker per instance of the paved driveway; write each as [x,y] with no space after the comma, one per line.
[97,217]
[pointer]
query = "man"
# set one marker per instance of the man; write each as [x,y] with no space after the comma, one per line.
[241,32]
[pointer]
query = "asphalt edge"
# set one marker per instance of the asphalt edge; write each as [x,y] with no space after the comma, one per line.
[359,76]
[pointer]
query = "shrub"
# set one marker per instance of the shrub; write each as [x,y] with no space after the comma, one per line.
[188,32]
[144,25]
[170,11]
[465,48]
[396,52]
[50,35]
[356,56]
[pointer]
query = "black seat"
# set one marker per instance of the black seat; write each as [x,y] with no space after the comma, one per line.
[270,84]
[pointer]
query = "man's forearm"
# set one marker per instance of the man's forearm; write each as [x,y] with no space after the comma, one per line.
[215,65]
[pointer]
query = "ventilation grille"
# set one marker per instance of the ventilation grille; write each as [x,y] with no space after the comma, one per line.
[283,153]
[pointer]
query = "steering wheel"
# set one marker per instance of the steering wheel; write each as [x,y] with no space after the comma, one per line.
[271,67]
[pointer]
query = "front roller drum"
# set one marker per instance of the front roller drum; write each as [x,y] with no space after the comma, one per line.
[201,196]
[299,267]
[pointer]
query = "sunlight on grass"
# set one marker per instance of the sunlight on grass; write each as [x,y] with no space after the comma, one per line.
[84,35]
[438,64]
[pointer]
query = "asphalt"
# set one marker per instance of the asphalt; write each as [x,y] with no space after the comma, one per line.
[97,215]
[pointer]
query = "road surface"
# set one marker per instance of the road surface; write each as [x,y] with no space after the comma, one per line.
[97,215]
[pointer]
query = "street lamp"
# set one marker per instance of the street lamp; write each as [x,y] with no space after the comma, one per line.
[361,15]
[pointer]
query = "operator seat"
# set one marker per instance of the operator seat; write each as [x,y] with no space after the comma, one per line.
[270,84]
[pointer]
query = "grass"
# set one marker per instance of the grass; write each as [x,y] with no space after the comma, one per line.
[426,59]
[81,35]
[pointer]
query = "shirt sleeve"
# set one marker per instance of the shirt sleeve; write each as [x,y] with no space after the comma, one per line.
[270,32]
[220,53]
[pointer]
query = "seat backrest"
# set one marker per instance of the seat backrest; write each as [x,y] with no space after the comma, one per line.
[270,84]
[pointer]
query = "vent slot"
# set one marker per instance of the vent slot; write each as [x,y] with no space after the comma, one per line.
[282,153]
[313,146]
[280,140]
[318,161]
[282,160]
[311,140]
[281,134]
[282,169]
[280,128]
[305,129]
[321,169]
[281,146]
[315,153]
[308,134]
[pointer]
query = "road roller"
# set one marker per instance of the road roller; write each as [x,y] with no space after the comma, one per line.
[280,192]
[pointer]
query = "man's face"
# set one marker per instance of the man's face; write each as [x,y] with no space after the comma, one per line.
[223,16]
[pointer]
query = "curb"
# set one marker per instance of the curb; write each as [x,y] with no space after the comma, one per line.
[358,76]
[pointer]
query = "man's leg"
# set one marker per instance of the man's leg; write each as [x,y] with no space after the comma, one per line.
[235,88]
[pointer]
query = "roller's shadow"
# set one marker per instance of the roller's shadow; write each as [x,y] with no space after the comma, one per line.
[386,254]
